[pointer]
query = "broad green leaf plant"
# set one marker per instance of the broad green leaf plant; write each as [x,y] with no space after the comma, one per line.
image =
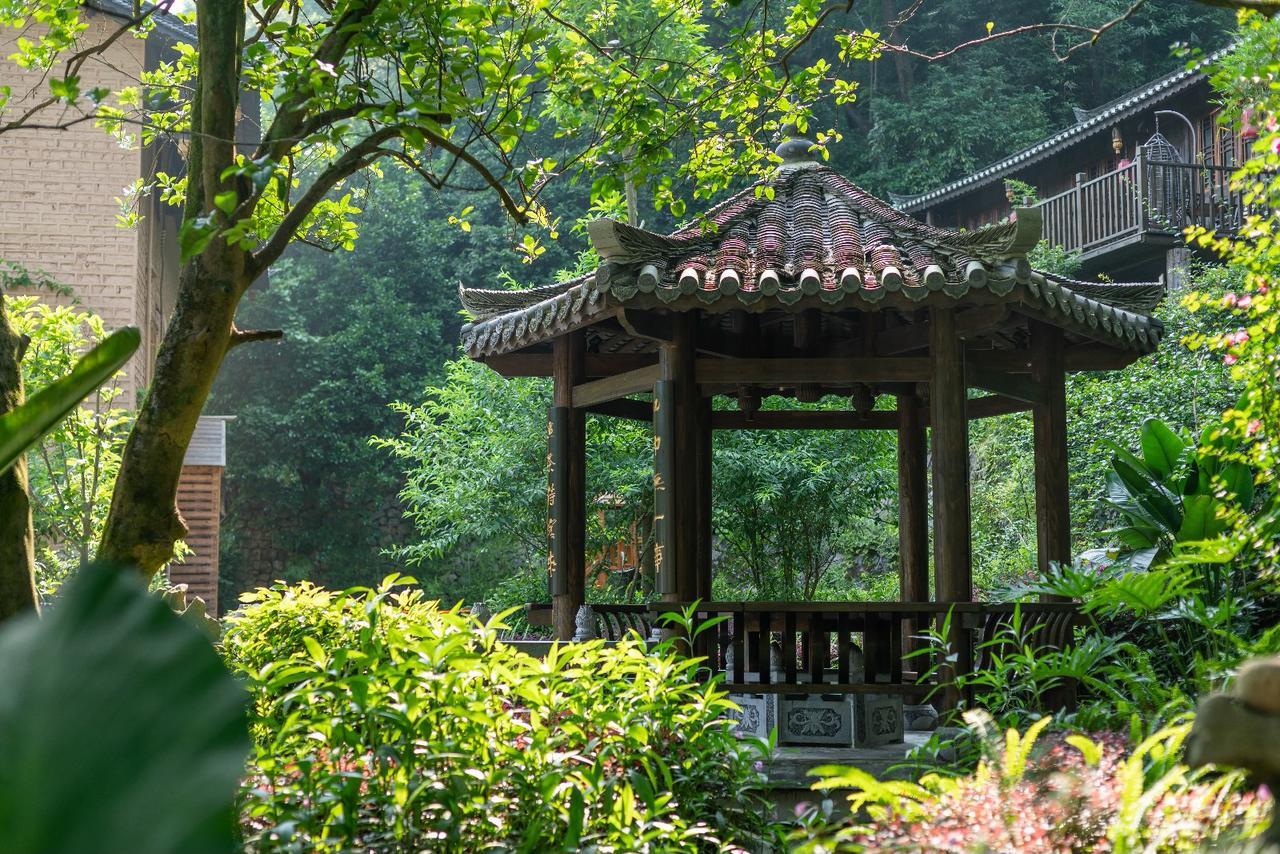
[121,730]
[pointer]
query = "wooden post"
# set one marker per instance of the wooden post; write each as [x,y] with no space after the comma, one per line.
[951,535]
[566,494]
[664,441]
[913,509]
[704,529]
[1053,511]
[1081,177]
[683,359]
[1141,191]
[951,526]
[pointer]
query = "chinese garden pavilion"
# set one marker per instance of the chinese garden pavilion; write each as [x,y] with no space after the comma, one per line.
[805,285]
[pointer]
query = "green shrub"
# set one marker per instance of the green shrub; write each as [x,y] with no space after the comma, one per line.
[384,722]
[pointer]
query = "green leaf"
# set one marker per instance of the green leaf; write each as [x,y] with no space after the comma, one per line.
[1153,496]
[1089,749]
[1237,477]
[194,235]
[226,201]
[1200,519]
[577,810]
[65,89]
[119,726]
[23,427]
[1161,447]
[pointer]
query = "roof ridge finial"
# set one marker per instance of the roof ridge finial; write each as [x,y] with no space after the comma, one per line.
[795,149]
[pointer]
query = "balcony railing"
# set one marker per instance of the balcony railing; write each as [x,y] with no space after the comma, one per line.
[1146,197]
[862,647]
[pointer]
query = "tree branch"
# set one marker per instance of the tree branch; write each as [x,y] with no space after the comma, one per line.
[512,207]
[290,115]
[1092,34]
[247,336]
[352,161]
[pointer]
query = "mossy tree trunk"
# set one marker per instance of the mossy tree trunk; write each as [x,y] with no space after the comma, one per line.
[17,540]
[144,524]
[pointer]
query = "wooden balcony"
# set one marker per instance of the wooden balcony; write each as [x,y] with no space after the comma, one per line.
[1146,203]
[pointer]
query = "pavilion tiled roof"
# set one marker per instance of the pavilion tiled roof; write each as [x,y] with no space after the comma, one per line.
[810,237]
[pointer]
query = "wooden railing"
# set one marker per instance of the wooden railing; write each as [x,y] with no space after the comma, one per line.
[813,647]
[1145,197]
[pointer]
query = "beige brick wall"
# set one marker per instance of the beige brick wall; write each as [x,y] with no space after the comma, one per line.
[58,192]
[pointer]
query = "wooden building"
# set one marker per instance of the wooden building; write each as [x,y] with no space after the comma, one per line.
[1119,185]
[813,288]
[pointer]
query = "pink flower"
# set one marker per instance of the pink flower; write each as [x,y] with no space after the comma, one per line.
[1275,145]
[1245,301]
[1229,298]
[1254,426]
[1230,359]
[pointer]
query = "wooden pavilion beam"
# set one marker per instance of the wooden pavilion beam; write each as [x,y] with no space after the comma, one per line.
[1016,386]
[1081,357]
[1049,417]
[631,410]
[915,336]
[804,419]
[991,405]
[594,364]
[827,371]
[615,387]
[567,488]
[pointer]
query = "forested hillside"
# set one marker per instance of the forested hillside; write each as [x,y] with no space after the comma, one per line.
[377,324]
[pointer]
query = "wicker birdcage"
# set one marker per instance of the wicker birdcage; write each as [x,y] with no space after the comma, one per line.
[1169,188]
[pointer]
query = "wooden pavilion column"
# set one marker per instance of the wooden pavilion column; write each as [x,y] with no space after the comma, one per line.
[913,502]
[1053,508]
[704,496]
[567,491]
[951,524]
[677,407]
[913,511]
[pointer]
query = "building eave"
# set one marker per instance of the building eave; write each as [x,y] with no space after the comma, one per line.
[1097,121]
[169,26]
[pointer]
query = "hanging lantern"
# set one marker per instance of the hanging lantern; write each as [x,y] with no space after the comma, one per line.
[1248,130]
[1117,140]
